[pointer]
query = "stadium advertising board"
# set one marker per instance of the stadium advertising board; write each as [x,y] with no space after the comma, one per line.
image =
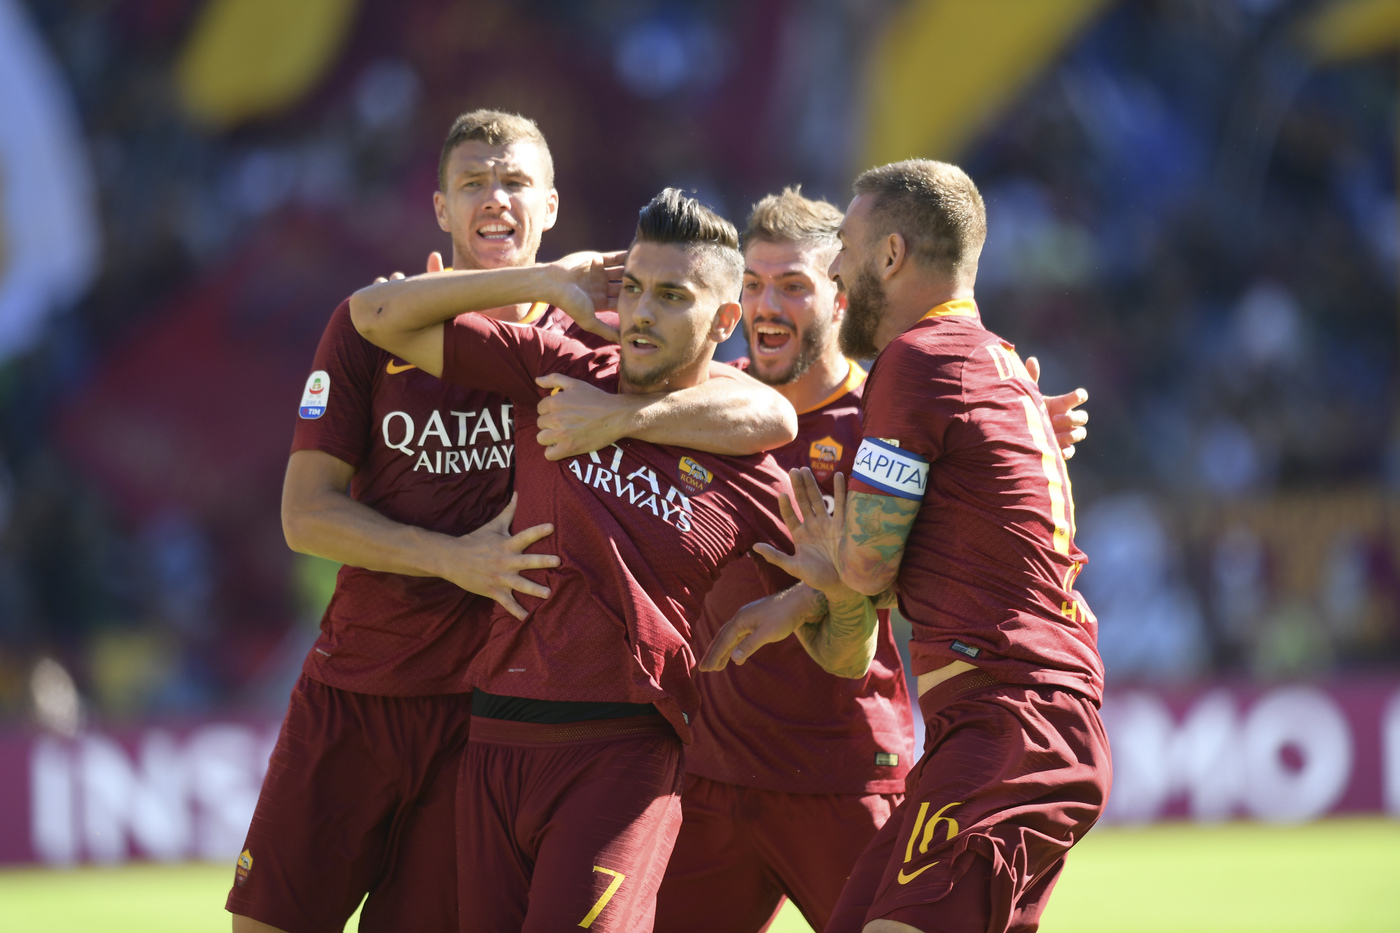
[162,792]
[1281,754]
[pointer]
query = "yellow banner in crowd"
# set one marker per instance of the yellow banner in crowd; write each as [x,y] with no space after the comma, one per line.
[944,68]
[247,58]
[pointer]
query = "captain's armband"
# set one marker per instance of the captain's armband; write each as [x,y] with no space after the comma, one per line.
[890,469]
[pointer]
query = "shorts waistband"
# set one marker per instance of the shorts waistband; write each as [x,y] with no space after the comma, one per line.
[537,734]
[941,694]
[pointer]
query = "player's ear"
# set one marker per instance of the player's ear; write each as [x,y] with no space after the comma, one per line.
[838,307]
[551,208]
[440,209]
[726,320]
[896,253]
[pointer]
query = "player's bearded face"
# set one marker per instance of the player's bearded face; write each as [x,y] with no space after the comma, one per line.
[865,309]
[496,204]
[789,305]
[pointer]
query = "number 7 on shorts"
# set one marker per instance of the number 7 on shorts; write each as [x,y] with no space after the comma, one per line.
[618,878]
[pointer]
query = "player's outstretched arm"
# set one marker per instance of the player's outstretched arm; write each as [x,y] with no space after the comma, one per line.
[843,638]
[730,413]
[405,315]
[320,518]
[763,622]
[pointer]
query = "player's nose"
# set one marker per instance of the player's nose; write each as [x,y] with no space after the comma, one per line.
[497,197]
[769,302]
[645,313]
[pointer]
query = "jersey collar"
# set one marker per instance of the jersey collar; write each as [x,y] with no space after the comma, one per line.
[960,307]
[854,377]
[536,312]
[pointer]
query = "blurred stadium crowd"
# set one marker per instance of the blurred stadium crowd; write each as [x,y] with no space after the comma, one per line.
[1192,213]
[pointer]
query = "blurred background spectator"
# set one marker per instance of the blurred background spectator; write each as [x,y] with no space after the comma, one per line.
[1192,210]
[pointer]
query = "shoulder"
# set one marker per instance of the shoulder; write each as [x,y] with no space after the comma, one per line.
[344,342]
[926,354]
[342,326]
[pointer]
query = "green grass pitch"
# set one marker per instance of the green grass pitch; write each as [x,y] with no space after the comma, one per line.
[1338,876]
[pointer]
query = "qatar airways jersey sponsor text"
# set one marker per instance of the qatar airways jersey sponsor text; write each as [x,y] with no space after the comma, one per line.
[640,486]
[452,441]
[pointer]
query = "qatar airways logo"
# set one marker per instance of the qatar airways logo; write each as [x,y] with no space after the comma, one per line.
[493,433]
[640,487]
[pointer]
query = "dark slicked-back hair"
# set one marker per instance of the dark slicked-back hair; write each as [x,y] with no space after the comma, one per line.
[934,206]
[495,128]
[790,218]
[673,219]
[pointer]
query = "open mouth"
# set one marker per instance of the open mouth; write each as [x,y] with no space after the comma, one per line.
[495,231]
[642,343]
[771,338]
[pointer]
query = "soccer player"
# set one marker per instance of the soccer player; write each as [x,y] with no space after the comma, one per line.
[570,785]
[406,480]
[792,770]
[960,507]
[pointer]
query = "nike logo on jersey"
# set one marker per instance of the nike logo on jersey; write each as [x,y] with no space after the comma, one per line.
[395,367]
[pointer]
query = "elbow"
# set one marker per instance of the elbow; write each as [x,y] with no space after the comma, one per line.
[787,424]
[367,313]
[296,529]
[777,427]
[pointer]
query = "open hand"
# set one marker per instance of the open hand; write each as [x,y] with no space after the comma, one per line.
[1067,422]
[488,561]
[816,535]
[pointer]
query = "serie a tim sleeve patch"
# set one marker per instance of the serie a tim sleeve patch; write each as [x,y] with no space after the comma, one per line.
[315,396]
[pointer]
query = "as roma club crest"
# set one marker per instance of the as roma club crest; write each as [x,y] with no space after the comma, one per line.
[826,457]
[245,865]
[694,476]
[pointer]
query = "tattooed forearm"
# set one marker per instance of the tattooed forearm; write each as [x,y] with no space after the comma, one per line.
[876,529]
[843,640]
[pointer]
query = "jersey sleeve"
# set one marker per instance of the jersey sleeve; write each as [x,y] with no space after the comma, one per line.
[335,412]
[591,340]
[913,399]
[479,352]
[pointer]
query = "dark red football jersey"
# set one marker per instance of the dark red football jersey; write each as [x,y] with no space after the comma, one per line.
[641,530]
[989,568]
[425,453]
[780,722]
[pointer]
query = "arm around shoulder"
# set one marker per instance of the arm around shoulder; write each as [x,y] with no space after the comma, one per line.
[730,413]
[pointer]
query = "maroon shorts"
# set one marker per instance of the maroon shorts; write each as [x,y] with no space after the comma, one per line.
[755,846]
[359,799]
[1011,777]
[566,826]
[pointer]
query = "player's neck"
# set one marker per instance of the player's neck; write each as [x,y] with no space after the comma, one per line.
[511,314]
[908,305]
[818,383]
